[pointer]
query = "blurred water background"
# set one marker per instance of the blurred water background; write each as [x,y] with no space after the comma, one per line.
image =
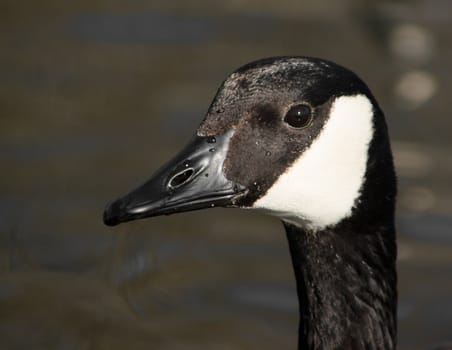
[95,95]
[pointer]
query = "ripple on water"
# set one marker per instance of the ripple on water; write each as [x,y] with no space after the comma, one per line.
[138,28]
[166,29]
[428,227]
[264,295]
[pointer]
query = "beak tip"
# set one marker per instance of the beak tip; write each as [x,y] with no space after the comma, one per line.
[112,214]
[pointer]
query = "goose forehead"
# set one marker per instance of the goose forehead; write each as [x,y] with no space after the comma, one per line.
[280,84]
[280,74]
[321,187]
[273,70]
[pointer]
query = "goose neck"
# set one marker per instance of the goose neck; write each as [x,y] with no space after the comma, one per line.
[346,284]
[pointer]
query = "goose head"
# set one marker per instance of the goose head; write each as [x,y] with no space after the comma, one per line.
[299,138]
[304,140]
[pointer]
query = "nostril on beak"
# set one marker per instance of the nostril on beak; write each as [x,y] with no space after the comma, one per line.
[181,178]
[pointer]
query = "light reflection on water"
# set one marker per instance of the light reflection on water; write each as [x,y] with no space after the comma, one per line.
[92,102]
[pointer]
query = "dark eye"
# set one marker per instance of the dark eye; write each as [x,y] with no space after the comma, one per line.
[298,116]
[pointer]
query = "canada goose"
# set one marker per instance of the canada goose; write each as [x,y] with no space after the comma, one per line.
[302,139]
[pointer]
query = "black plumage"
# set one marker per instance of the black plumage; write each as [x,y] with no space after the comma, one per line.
[345,272]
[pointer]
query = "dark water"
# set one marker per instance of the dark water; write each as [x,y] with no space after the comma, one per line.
[94,96]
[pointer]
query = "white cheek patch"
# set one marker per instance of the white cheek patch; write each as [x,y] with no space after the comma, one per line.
[321,186]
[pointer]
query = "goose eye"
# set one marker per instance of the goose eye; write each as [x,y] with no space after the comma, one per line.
[298,116]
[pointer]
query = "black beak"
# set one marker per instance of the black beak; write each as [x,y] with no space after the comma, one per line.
[193,180]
